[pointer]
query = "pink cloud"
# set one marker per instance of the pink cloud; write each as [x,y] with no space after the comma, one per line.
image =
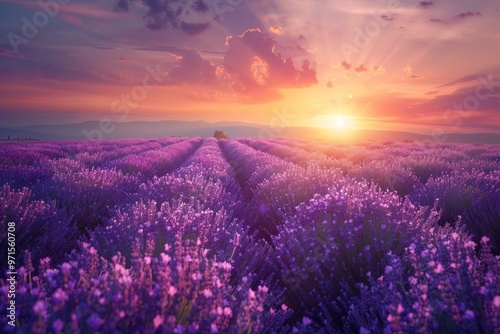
[361,68]
[276,29]
[408,74]
[346,65]
[377,70]
[259,72]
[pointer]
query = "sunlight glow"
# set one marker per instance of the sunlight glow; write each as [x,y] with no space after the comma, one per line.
[339,121]
[260,70]
[335,121]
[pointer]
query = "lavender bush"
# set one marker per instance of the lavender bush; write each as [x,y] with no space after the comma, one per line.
[40,226]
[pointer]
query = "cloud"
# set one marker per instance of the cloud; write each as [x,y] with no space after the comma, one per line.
[467,99]
[200,6]
[258,72]
[408,74]
[121,5]
[468,14]
[194,28]
[276,29]
[301,48]
[457,18]
[161,48]
[426,4]
[377,70]
[463,80]
[360,68]
[192,68]
[346,65]
[372,70]
[306,77]
[191,16]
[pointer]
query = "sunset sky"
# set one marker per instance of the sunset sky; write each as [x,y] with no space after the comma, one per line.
[384,64]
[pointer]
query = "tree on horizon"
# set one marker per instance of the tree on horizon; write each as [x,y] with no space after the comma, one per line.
[219,134]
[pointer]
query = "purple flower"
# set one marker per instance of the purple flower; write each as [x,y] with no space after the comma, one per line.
[58,325]
[94,321]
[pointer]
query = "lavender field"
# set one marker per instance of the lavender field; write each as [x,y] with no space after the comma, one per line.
[192,235]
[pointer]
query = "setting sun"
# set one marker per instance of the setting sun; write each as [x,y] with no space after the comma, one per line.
[334,121]
[339,122]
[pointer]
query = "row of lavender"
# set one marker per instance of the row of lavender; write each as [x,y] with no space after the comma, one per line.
[177,237]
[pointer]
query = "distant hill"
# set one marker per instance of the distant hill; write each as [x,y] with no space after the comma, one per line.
[145,129]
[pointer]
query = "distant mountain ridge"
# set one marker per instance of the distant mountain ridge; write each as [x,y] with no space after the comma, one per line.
[151,129]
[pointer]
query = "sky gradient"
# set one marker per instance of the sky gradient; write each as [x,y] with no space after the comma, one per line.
[419,66]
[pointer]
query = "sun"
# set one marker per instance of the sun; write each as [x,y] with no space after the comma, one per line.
[339,122]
